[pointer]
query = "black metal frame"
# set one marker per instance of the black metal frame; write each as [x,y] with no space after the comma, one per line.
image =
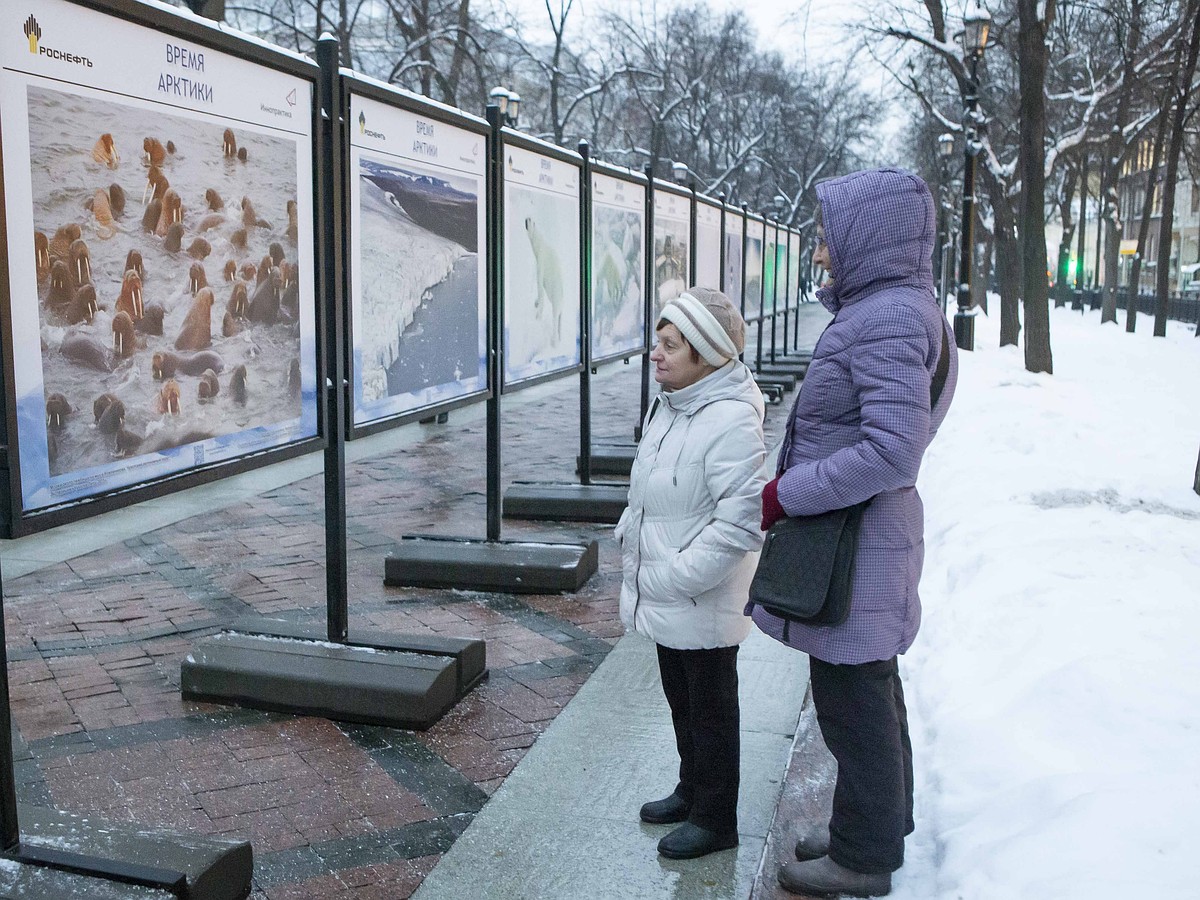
[508,137]
[15,521]
[353,83]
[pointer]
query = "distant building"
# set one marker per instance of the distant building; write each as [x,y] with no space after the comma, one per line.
[1135,180]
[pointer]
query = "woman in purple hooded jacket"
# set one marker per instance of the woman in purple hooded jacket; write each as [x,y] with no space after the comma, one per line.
[859,428]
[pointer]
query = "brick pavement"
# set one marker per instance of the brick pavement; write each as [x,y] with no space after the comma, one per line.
[333,811]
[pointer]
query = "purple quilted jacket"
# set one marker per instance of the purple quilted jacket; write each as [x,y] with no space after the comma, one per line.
[862,420]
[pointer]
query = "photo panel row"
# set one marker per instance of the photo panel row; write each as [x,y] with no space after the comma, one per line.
[160,250]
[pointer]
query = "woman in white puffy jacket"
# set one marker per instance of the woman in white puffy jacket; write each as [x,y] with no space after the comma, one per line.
[689,546]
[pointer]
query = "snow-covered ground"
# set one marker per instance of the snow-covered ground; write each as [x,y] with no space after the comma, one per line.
[1054,690]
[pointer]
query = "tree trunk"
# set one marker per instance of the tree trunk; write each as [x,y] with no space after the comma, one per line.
[986,259]
[1115,151]
[1032,55]
[1182,90]
[1066,214]
[1135,269]
[1008,260]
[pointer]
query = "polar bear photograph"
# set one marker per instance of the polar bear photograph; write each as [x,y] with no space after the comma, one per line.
[541,282]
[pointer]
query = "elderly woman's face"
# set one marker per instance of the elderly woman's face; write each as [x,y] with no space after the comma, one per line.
[675,365]
[821,254]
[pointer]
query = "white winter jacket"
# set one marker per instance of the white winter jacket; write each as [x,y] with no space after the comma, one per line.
[689,537]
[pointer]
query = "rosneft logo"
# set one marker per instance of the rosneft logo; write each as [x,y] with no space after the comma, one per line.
[33,31]
[363,129]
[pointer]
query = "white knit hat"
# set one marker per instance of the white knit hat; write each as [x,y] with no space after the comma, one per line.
[709,321]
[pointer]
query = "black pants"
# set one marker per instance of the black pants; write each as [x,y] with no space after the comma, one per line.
[863,720]
[702,691]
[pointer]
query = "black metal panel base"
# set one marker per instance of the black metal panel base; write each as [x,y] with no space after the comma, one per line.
[514,567]
[65,856]
[772,393]
[469,655]
[610,459]
[333,681]
[786,382]
[566,502]
[964,331]
[796,369]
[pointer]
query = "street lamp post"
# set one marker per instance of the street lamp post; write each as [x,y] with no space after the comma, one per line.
[976,23]
[508,102]
[945,259]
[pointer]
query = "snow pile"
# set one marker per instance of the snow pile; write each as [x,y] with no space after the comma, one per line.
[1054,688]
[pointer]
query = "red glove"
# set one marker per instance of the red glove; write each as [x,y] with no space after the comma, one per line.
[772,509]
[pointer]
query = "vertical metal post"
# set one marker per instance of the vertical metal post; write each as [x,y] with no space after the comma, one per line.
[692,228]
[762,294]
[1077,303]
[648,283]
[745,246]
[1099,225]
[721,246]
[585,315]
[495,307]
[775,289]
[964,322]
[330,301]
[787,292]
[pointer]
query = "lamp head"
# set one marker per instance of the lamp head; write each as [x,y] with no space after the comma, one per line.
[976,24]
[498,96]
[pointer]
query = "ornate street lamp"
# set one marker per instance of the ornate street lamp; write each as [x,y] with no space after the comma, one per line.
[508,102]
[946,212]
[679,172]
[976,24]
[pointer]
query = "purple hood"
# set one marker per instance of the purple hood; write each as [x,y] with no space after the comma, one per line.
[880,229]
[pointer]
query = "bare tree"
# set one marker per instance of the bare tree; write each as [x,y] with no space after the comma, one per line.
[1035,18]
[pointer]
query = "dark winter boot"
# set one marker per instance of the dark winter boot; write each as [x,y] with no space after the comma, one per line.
[812,846]
[666,811]
[689,841]
[825,878]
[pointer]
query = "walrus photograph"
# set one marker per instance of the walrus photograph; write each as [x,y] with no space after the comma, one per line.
[418,308]
[131,260]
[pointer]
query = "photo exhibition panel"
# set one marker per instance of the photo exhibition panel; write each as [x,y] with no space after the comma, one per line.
[541,265]
[755,239]
[735,224]
[618,267]
[418,308]
[672,237]
[708,245]
[160,253]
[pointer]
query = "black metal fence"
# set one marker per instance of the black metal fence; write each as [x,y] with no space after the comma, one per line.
[1179,307]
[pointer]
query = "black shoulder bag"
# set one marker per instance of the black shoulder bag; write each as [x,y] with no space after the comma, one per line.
[806,570]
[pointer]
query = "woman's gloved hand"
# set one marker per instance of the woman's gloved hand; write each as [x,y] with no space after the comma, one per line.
[772,510]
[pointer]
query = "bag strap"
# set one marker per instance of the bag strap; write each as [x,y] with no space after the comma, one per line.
[940,373]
